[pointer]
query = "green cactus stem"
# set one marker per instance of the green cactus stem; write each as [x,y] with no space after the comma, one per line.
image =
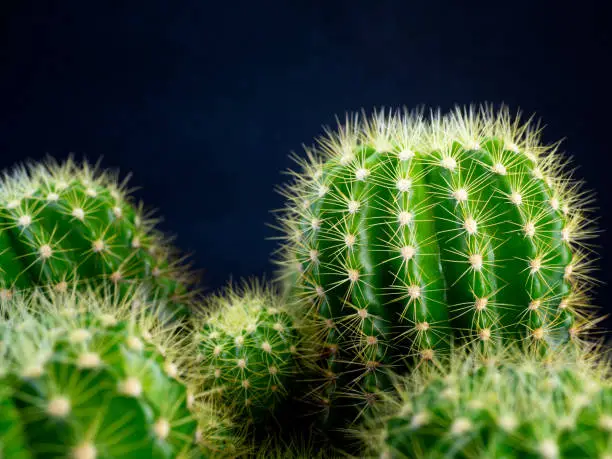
[12,439]
[514,407]
[91,377]
[246,348]
[70,221]
[404,233]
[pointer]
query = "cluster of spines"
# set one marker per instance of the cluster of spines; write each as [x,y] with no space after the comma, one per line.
[294,447]
[91,376]
[65,222]
[218,435]
[514,404]
[246,346]
[372,302]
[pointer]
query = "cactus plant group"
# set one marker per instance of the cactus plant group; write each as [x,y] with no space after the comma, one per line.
[65,222]
[434,274]
[516,406]
[404,233]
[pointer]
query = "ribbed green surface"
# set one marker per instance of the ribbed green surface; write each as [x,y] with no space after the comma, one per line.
[513,410]
[403,235]
[85,383]
[246,346]
[64,222]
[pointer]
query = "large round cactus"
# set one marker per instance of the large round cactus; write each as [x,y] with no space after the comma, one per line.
[61,222]
[86,377]
[514,407]
[246,345]
[404,233]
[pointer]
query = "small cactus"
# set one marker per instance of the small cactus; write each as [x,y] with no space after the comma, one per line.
[85,376]
[246,346]
[70,221]
[516,406]
[403,234]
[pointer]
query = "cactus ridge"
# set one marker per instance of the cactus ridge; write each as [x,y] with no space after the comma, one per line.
[90,377]
[66,222]
[404,232]
[246,345]
[513,405]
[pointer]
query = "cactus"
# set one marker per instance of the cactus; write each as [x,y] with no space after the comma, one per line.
[70,221]
[86,376]
[515,407]
[246,345]
[404,233]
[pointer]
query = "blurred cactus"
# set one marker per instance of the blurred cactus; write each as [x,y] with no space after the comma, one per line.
[85,376]
[513,406]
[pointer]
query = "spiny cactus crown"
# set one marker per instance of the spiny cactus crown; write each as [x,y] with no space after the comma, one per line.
[513,405]
[403,233]
[71,221]
[246,345]
[91,376]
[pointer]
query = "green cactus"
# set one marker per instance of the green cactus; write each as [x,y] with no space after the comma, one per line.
[70,221]
[404,233]
[85,376]
[246,346]
[12,439]
[514,407]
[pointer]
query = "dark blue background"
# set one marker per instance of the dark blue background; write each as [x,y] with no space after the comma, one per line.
[203,101]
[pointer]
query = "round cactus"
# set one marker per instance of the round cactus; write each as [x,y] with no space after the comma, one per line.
[404,233]
[61,222]
[514,407]
[86,377]
[246,346]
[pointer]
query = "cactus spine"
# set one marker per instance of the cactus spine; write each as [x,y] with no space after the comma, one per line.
[87,377]
[61,222]
[402,234]
[514,407]
[246,345]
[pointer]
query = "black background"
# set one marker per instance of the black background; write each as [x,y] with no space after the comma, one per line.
[203,101]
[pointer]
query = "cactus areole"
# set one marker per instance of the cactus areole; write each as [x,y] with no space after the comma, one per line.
[404,233]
